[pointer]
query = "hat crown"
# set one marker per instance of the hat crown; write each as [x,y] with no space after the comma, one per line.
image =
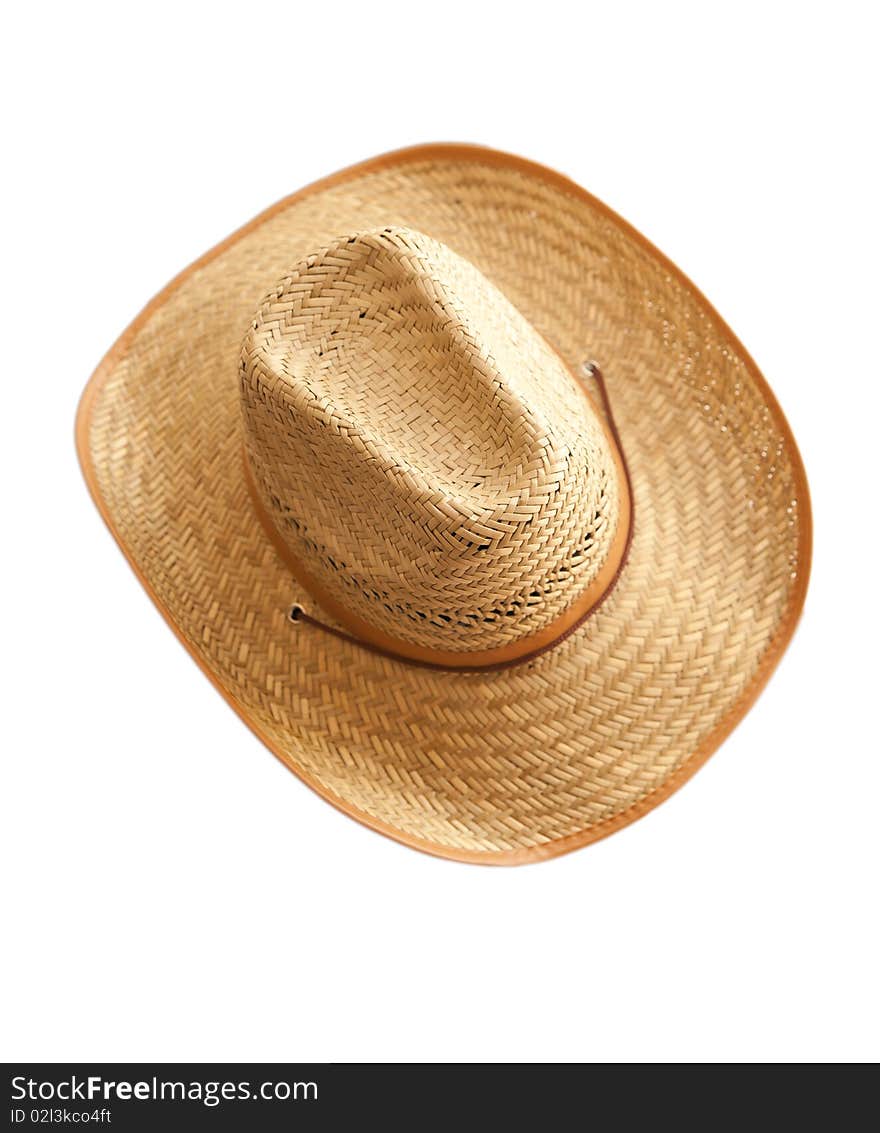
[423,453]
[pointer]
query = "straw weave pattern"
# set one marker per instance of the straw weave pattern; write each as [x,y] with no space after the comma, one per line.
[471,764]
[429,459]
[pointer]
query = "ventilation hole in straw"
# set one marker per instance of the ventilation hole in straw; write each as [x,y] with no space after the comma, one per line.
[294,612]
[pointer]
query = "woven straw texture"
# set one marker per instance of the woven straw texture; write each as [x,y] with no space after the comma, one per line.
[507,766]
[430,461]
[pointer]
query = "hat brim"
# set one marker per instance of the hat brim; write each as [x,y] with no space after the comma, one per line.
[496,767]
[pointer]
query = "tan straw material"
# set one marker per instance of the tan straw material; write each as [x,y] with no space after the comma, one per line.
[394,355]
[430,466]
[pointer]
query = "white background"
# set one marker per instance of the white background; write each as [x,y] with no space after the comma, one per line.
[171,891]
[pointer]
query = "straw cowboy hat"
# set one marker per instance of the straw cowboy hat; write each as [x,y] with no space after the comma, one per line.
[462,495]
